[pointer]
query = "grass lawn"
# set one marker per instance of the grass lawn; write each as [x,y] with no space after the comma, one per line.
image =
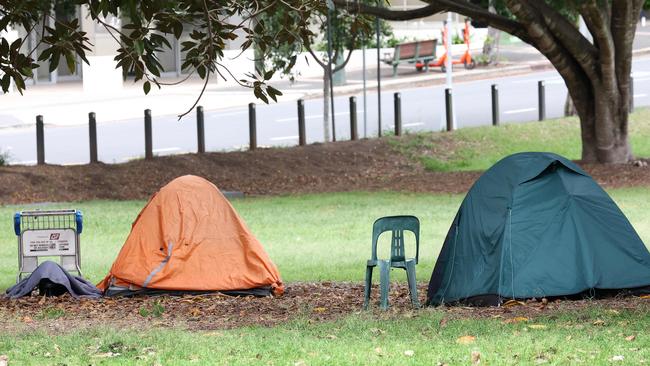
[594,337]
[326,237]
[309,237]
[479,148]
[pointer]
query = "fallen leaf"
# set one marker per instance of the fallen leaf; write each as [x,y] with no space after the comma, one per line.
[618,358]
[377,331]
[467,339]
[630,338]
[517,319]
[512,303]
[645,296]
[331,336]
[409,353]
[537,326]
[379,351]
[599,322]
[27,319]
[195,312]
[299,363]
[476,357]
[4,360]
[443,322]
[320,310]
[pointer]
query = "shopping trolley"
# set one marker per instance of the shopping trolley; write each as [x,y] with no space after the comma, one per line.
[48,233]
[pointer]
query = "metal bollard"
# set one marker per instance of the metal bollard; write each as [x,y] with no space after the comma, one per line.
[40,141]
[353,119]
[252,126]
[631,94]
[302,140]
[148,139]
[397,99]
[449,110]
[92,131]
[200,130]
[541,103]
[495,105]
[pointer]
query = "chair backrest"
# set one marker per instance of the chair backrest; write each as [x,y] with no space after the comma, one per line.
[397,225]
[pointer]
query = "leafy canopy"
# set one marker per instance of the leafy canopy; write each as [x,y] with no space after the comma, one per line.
[211,24]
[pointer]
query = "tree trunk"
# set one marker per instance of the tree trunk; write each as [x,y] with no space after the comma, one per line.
[604,128]
[569,108]
[326,105]
[491,44]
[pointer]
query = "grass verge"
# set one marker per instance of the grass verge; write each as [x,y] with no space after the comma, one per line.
[480,147]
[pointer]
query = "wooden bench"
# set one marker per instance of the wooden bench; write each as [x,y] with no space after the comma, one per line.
[420,52]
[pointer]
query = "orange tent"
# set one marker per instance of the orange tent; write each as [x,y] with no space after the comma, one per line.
[189,238]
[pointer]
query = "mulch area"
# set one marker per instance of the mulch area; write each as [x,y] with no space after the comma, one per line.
[315,302]
[367,165]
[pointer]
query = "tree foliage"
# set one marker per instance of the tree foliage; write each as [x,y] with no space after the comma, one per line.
[211,25]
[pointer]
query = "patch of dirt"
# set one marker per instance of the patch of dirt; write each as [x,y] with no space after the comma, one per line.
[315,302]
[366,165]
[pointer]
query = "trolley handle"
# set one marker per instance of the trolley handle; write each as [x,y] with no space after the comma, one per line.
[17,223]
[79,218]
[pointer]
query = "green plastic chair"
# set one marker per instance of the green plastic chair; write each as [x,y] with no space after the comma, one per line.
[396,224]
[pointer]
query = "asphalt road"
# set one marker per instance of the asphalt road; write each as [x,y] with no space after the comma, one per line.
[277,124]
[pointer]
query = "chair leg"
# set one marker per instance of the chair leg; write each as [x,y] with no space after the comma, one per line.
[412,281]
[368,288]
[384,282]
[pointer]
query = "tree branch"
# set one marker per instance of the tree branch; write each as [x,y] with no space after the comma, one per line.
[321,63]
[437,6]
[543,40]
[341,66]
[387,13]
[598,23]
[569,36]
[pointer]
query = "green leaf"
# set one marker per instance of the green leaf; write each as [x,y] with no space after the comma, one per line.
[6,82]
[69,58]
[201,71]
[138,45]
[146,87]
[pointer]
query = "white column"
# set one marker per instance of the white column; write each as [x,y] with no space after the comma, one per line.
[100,76]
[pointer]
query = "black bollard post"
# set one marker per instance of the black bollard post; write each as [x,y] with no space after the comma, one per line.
[92,131]
[148,139]
[449,110]
[252,126]
[541,95]
[302,139]
[40,141]
[353,119]
[495,105]
[200,130]
[397,99]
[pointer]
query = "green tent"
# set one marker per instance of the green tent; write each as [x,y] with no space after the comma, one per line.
[536,225]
